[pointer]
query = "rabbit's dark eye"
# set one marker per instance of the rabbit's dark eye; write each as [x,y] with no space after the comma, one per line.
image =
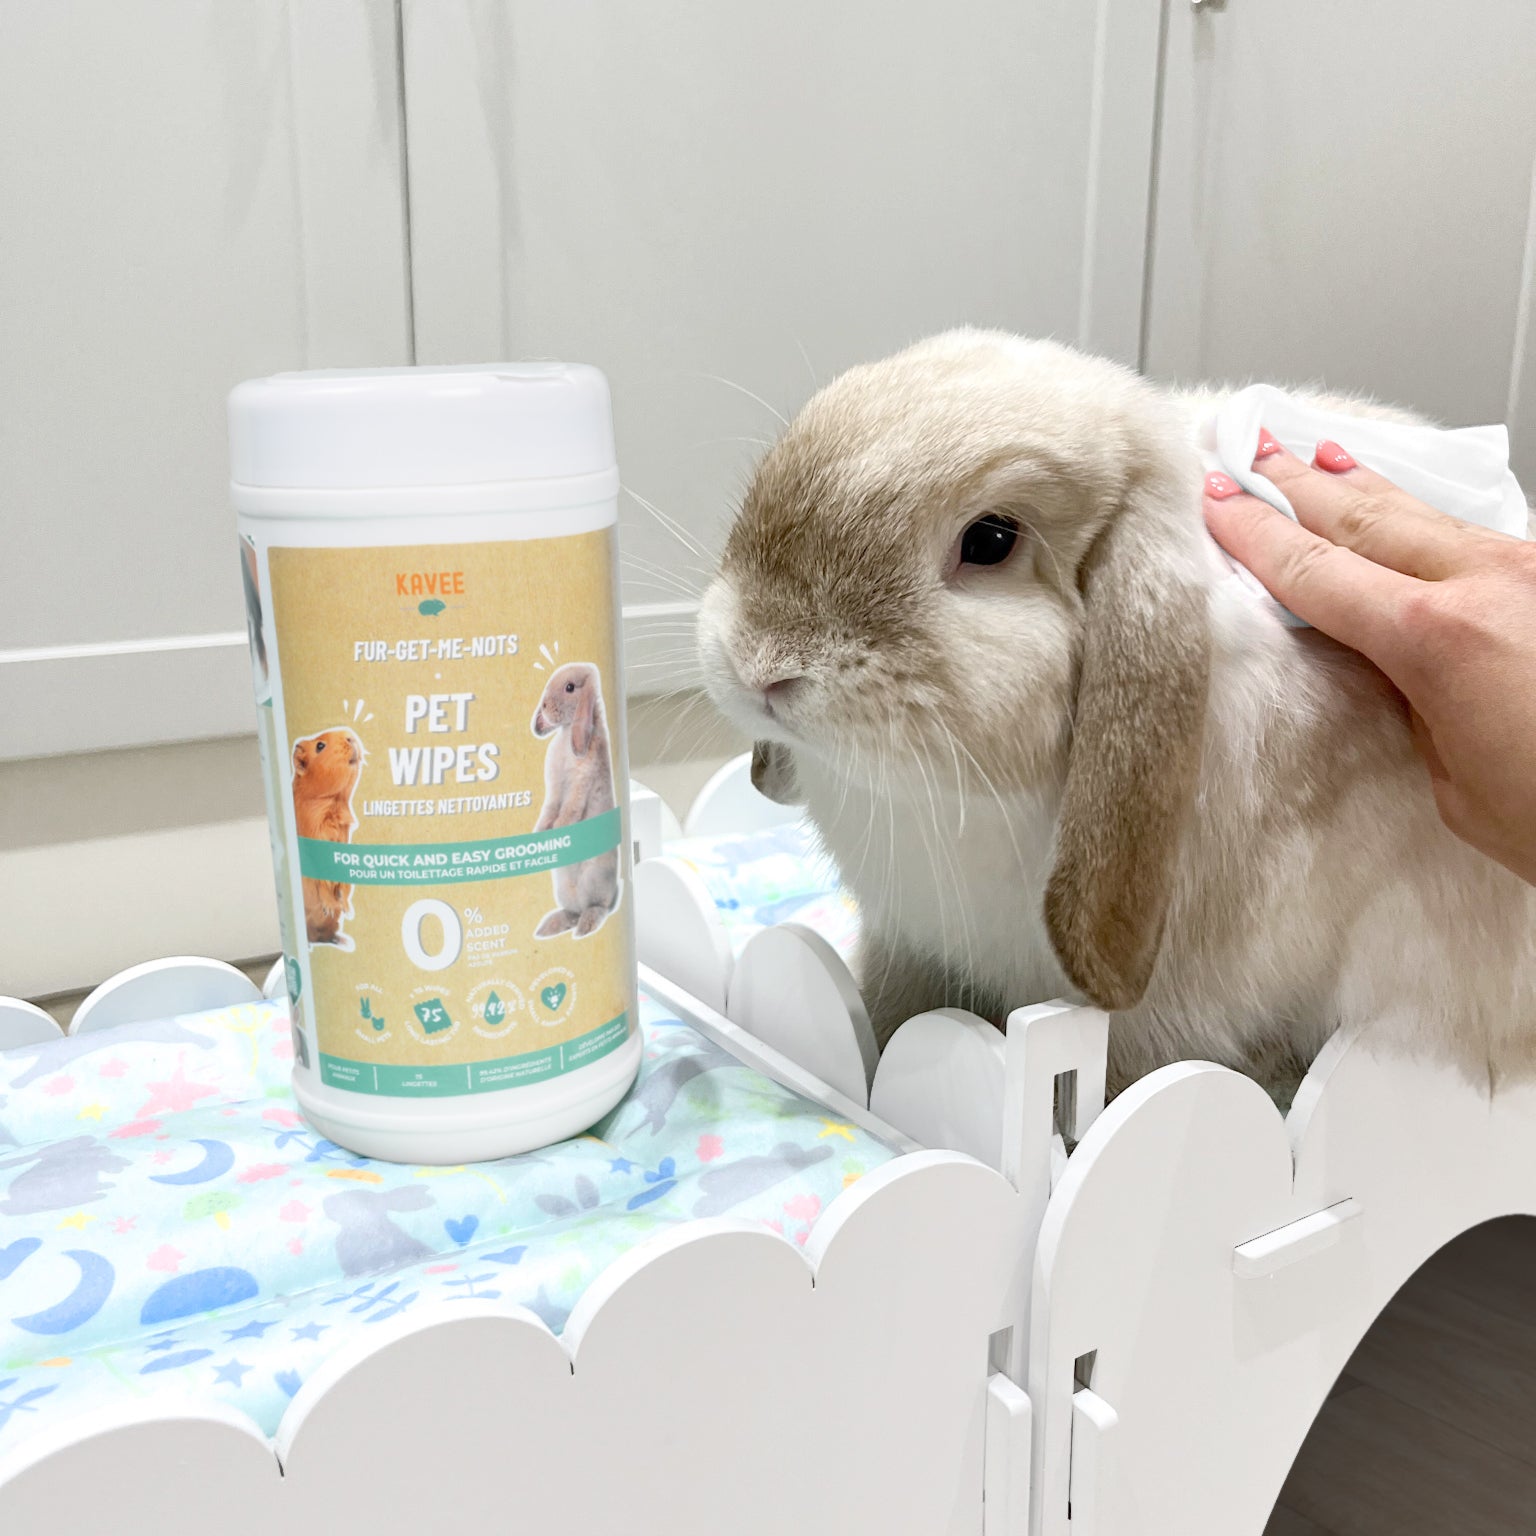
[570,687]
[989,540]
[319,746]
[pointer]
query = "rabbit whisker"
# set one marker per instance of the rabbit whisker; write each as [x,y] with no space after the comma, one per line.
[742,389]
[668,522]
[815,382]
[997,796]
[715,442]
[666,581]
[951,874]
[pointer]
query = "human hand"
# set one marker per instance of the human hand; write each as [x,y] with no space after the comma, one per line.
[1446,609]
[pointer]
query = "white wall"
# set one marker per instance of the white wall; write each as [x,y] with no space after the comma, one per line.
[719,204]
[682,192]
[191,192]
[712,202]
[1348,193]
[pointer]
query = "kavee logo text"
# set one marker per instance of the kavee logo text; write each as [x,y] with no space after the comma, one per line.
[429,583]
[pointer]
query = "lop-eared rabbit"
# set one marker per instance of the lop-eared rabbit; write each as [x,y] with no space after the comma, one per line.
[970,611]
[578,784]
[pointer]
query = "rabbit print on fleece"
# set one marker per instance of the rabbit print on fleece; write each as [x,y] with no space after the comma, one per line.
[326,769]
[1055,749]
[578,784]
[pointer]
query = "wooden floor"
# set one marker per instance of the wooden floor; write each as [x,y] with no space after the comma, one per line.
[1431,1430]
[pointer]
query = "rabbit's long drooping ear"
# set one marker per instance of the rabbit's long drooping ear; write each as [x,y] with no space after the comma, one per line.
[581,726]
[773,772]
[1137,728]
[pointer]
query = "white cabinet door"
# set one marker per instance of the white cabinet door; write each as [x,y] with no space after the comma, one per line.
[721,205]
[1344,191]
[191,192]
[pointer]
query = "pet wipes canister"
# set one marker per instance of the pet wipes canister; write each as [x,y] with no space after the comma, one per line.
[429,563]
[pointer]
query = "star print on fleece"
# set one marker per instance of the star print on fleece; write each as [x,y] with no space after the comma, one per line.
[174,1095]
[251,1330]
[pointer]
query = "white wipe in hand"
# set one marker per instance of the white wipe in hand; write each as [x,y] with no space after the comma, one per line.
[1462,471]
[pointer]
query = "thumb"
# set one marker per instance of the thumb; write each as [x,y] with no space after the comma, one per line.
[1331,587]
[1424,740]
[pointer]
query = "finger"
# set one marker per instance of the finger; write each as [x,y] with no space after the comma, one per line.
[1331,587]
[1354,506]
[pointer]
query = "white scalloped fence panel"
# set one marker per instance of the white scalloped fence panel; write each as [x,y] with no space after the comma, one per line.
[23,1023]
[730,804]
[910,1467]
[199,1472]
[275,982]
[794,992]
[716,1379]
[940,1080]
[1156,1346]
[663,1358]
[457,1415]
[161,989]
[678,931]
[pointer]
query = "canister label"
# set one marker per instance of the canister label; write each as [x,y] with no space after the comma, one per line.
[447,769]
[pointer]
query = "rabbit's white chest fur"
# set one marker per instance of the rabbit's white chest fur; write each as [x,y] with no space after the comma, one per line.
[957,886]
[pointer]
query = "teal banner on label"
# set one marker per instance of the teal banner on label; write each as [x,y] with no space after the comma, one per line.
[494,858]
[451,1080]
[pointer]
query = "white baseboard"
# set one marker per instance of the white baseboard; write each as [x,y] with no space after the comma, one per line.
[72,914]
[92,698]
[62,699]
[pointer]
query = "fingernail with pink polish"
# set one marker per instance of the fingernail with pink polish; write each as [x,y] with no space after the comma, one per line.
[1267,445]
[1219,486]
[1331,457]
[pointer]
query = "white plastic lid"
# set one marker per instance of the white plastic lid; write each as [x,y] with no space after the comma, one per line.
[379,428]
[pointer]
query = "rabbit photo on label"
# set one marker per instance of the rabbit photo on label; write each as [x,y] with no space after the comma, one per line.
[578,785]
[971,610]
[326,768]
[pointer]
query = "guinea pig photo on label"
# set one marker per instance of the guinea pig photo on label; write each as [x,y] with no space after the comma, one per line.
[326,769]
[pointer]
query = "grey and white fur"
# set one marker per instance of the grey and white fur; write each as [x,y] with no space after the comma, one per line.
[1098,769]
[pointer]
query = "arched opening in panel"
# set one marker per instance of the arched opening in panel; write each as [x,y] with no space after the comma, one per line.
[1430,1429]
